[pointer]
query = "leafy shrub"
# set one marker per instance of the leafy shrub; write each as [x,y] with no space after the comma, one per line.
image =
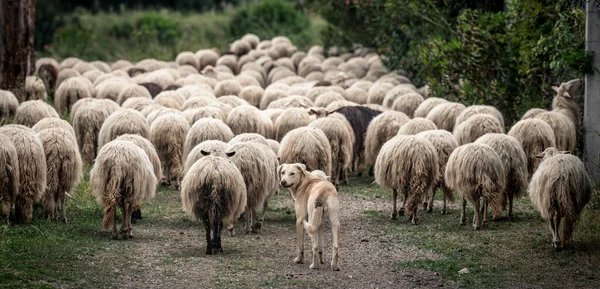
[155,26]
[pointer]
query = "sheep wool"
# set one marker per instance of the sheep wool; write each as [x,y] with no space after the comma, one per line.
[535,135]
[479,109]
[148,148]
[476,126]
[427,105]
[416,125]
[168,135]
[213,192]
[87,122]
[340,141]
[410,165]
[8,105]
[32,111]
[560,188]
[306,145]
[565,134]
[444,115]
[9,173]
[381,129]
[206,129]
[122,121]
[476,171]
[290,119]
[123,177]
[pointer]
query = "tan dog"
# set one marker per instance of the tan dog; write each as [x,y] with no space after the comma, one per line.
[313,197]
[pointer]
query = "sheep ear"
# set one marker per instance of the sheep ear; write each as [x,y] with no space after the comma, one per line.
[555,88]
[204,153]
[230,154]
[565,152]
[566,94]
[312,111]
[329,112]
[540,156]
[328,178]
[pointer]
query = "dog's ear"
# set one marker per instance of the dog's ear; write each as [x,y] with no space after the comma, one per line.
[204,153]
[302,167]
[279,171]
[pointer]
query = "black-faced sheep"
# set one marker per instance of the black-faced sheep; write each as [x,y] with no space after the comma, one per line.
[381,129]
[32,169]
[515,164]
[416,125]
[340,142]
[168,134]
[9,173]
[476,171]
[122,177]
[32,111]
[560,188]
[444,115]
[535,135]
[306,145]
[476,126]
[64,169]
[213,192]
[123,121]
[444,143]
[410,165]
[258,165]
[206,129]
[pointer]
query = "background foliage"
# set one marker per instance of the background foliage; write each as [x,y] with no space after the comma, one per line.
[504,53]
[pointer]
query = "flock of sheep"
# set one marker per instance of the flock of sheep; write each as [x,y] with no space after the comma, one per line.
[218,126]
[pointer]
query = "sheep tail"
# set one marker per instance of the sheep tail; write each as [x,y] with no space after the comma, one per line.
[315,218]
[214,216]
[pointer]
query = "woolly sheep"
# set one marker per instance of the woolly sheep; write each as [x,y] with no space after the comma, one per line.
[444,143]
[148,148]
[326,98]
[32,111]
[479,109]
[475,127]
[515,164]
[206,57]
[444,115]
[9,172]
[377,92]
[209,147]
[427,105]
[213,191]
[410,165]
[417,125]
[232,100]
[206,129]
[110,89]
[194,114]
[290,101]
[407,103]
[65,74]
[137,103]
[565,134]
[340,141]
[64,169]
[258,166]
[168,134]
[290,119]
[532,113]
[8,105]
[270,95]
[122,121]
[273,145]
[560,188]
[69,92]
[476,171]
[252,94]
[248,137]
[87,122]
[122,176]
[381,129]
[535,135]
[50,122]
[131,91]
[32,169]
[187,58]
[153,88]
[564,101]
[160,112]
[356,95]
[49,74]
[306,145]
[34,88]
[396,92]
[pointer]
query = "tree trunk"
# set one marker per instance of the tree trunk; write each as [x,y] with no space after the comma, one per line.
[17,22]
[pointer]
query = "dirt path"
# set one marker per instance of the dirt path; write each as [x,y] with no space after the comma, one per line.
[168,252]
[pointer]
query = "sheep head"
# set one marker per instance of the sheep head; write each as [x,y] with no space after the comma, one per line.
[550,151]
[570,88]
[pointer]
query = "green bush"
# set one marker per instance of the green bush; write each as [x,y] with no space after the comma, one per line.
[271,18]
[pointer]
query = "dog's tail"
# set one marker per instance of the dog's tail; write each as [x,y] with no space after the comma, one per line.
[315,219]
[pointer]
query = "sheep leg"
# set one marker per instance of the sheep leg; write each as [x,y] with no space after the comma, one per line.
[115,235]
[63,207]
[485,212]
[444,211]
[430,203]
[129,227]
[401,211]
[476,217]
[206,223]
[247,220]
[555,231]
[49,207]
[394,200]
[256,224]
[123,232]
[344,175]
[6,210]
[463,213]
[510,205]
[218,246]
[264,210]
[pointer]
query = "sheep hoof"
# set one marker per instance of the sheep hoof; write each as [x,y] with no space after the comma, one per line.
[444,212]
[401,212]
[430,210]
[335,267]
[115,237]
[314,266]
[462,223]
[394,216]
[476,227]
[298,260]
[556,245]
